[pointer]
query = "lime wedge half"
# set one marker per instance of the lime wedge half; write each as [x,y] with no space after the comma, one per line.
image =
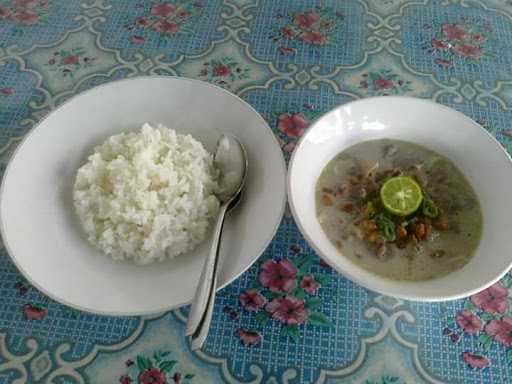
[401,195]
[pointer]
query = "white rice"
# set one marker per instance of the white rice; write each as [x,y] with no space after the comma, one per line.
[148,195]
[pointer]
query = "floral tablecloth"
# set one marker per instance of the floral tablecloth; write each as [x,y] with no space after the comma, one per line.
[291,60]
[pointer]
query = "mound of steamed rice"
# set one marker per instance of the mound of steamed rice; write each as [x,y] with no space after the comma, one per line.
[147,195]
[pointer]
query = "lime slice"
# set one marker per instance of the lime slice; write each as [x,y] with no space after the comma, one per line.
[401,195]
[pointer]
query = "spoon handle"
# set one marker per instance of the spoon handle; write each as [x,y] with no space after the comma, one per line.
[208,280]
[199,336]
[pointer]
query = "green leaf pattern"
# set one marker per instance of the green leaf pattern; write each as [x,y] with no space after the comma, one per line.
[143,363]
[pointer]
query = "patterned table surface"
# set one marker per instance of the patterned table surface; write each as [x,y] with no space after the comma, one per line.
[291,60]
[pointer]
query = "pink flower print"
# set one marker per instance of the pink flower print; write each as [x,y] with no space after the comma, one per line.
[252,300]
[24,3]
[287,32]
[25,17]
[440,44]
[314,37]
[183,14]
[164,9]
[142,21]
[164,26]
[289,147]
[454,338]
[4,12]
[288,310]
[383,83]
[70,60]
[479,38]
[500,330]
[507,132]
[221,70]
[468,50]
[125,379]
[7,91]
[327,25]
[309,284]
[32,312]
[475,361]
[137,40]
[248,337]
[469,322]
[454,32]
[292,125]
[443,63]
[492,299]
[305,20]
[287,50]
[152,376]
[278,276]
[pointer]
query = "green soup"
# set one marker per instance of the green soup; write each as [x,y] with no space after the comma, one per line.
[422,246]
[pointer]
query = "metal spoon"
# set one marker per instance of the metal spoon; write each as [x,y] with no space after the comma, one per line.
[231,159]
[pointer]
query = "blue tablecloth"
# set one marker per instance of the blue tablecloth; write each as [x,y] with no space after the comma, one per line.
[291,60]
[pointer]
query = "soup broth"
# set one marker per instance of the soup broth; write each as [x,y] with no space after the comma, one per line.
[439,237]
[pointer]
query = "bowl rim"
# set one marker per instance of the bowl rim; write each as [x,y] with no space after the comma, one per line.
[426,298]
[25,137]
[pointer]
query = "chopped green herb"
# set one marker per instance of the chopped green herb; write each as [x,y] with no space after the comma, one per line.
[429,208]
[386,227]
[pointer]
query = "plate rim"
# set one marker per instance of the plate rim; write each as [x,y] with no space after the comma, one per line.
[282,167]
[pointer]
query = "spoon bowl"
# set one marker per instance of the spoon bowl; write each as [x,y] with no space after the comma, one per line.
[231,159]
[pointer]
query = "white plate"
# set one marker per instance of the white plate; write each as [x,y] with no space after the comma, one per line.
[477,154]
[41,231]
